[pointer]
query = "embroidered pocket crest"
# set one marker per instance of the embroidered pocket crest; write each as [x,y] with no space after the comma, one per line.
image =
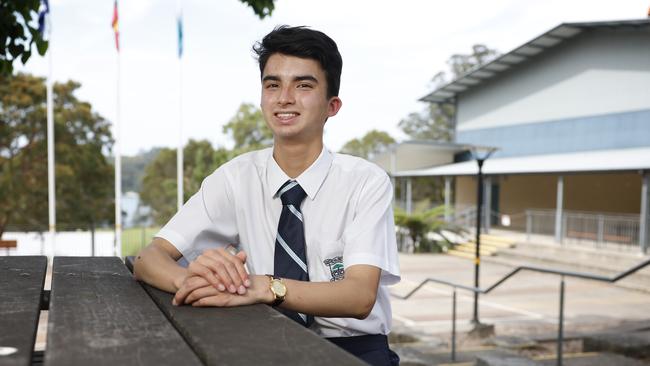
[335,265]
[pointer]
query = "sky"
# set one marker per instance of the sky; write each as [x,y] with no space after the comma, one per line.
[390,50]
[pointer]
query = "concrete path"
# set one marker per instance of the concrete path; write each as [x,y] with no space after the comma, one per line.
[526,304]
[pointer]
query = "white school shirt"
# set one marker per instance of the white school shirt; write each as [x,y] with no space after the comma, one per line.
[347,216]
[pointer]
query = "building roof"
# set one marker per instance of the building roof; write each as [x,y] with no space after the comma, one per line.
[577,162]
[536,46]
[418,154]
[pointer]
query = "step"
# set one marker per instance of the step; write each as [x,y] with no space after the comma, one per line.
[590,359]
[483,245]
[420,354]
[633,344]
[497,238]
[494,244]
[568,359]
[472,249]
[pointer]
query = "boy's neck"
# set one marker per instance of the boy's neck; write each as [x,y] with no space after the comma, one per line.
[294,159]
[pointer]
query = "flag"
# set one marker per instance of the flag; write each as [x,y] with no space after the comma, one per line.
[179,23]
[43,12]
[116,28]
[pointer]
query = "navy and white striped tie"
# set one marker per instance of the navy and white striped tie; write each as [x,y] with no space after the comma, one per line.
[290,252]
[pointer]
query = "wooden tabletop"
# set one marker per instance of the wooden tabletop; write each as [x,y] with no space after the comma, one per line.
[100,315]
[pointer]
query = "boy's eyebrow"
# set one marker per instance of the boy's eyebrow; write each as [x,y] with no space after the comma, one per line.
[305,78]
[270,77]
[297,78]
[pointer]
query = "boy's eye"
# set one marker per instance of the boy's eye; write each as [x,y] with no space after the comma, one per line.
[302,86]
[271,85]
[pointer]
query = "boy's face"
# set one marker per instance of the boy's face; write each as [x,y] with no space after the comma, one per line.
[294,99]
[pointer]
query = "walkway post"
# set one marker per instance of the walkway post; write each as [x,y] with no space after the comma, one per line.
[480,154]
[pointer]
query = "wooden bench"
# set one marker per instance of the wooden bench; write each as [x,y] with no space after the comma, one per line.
[100,315]
[8,244]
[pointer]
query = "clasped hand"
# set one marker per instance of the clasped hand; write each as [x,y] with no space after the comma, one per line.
[218,278]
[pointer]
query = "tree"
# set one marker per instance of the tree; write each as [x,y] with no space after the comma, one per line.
[19,29]
[133,169]
[18,32]
[435,122]
[84,193]
[371,144]
[159,181]
[248,129]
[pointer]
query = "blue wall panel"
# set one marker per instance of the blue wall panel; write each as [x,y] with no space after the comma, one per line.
[612,131]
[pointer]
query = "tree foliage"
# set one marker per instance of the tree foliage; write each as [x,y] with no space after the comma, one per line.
[435,122]
[18,32]
[421,225]
[248,129]
[372,143]
[249,132]
[261,8]
[84,190]
[133,169]
[159,180]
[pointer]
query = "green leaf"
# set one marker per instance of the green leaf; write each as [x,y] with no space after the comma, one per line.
[42,46]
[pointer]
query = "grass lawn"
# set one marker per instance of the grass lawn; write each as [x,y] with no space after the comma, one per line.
[134,239]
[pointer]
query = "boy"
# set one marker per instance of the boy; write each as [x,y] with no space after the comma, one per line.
[314,228]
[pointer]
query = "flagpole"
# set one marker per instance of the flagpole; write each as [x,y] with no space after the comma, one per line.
[51,193]
[118,170]
[179,150]
[118,158]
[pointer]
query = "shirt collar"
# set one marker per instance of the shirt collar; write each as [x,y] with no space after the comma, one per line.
[310,180]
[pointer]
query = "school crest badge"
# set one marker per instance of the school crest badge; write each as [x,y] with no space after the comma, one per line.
[335,265]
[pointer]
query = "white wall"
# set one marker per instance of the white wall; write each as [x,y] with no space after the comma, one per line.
[592,74]
[77,243]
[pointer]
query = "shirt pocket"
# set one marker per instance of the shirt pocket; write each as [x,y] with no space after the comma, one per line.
[330,265]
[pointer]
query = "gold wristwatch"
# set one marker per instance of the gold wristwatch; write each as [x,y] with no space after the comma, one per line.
[278,289]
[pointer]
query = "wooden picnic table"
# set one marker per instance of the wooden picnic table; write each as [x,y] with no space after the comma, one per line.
[100,315]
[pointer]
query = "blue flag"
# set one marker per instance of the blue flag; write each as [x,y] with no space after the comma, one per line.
[179,22]
[43,12]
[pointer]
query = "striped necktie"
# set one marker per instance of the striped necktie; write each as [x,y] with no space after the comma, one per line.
[290,252]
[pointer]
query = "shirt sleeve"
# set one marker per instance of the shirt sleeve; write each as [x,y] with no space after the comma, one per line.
[370,239]
[206,220]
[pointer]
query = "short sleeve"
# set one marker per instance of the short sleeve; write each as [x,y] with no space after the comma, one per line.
[370,238]
[206,220]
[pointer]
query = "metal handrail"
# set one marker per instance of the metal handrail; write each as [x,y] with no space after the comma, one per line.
[561,273]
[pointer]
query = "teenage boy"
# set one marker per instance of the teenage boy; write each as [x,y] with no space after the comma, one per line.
[313,228]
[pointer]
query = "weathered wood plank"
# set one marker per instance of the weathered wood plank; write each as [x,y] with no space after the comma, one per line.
[249,335]
[21,285]
[99,315]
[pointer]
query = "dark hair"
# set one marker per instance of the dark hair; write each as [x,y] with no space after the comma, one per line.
[304,43]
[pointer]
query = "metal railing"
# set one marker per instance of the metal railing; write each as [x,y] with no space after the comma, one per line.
[586,227]
[562,274]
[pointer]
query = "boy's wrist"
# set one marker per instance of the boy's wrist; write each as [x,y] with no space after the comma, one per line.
[262,287]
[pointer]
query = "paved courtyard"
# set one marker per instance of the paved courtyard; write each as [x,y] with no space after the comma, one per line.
[526,303]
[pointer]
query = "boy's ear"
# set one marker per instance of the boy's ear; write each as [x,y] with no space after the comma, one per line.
[334,105]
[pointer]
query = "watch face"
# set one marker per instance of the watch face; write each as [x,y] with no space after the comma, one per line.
[279,288]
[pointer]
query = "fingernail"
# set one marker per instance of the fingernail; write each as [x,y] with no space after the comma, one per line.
[174,302]
[241,290]
[232,288]
[221,287]
[247,283]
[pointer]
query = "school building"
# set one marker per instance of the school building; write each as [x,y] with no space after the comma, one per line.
[569,112]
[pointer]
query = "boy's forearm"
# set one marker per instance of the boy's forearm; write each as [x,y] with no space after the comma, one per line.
[158,268]
[352,297]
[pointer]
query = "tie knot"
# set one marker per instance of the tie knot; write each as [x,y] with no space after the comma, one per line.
[291,193]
